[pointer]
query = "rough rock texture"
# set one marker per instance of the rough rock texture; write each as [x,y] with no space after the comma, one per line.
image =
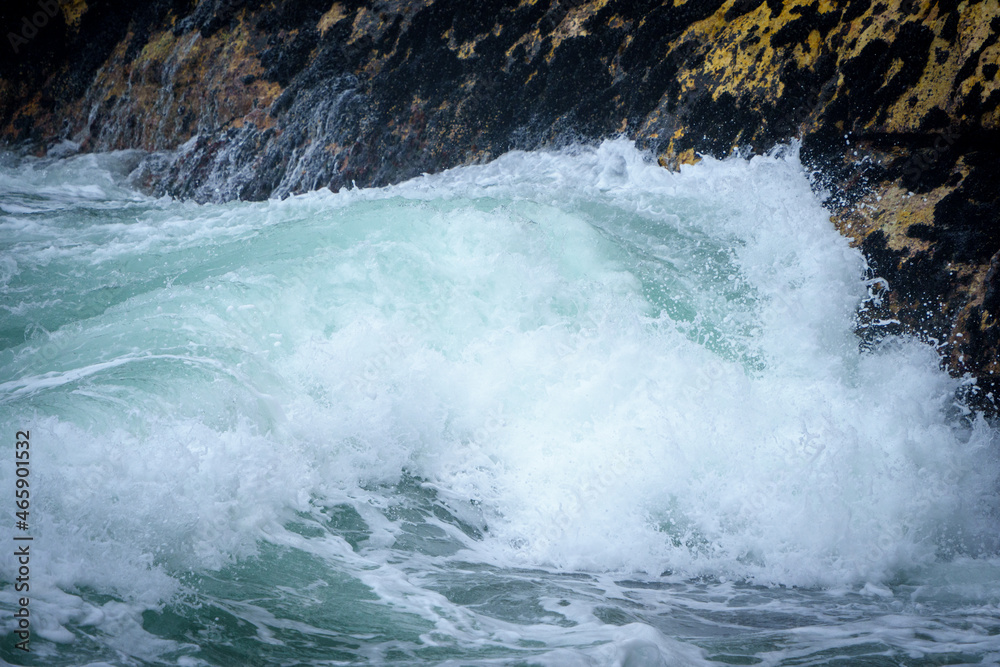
[896,103]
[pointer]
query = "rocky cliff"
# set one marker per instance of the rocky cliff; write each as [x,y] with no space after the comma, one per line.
[895,102]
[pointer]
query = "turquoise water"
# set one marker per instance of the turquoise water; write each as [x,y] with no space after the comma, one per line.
[565,408]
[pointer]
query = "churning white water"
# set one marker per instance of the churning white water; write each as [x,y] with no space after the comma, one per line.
[562,408]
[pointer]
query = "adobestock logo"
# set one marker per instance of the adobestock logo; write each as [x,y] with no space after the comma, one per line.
[29,26]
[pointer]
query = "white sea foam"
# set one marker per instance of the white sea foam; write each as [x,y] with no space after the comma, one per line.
[591,364]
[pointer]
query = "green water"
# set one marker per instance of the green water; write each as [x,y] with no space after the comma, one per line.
[564,408]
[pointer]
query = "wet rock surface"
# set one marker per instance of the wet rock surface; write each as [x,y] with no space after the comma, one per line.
[897,105]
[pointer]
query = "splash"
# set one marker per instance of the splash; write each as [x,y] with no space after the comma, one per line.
[572,362]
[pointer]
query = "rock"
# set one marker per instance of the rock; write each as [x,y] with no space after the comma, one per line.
[895,103]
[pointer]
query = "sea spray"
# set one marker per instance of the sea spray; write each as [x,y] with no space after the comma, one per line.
[562,406]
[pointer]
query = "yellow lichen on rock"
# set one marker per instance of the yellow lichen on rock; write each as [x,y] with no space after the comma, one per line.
[739,60]
[178,86]
[893,210]
[72,11]
[938,87]
[807,53]
[530,41]
[334,15]
[467,50]
[572,24]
